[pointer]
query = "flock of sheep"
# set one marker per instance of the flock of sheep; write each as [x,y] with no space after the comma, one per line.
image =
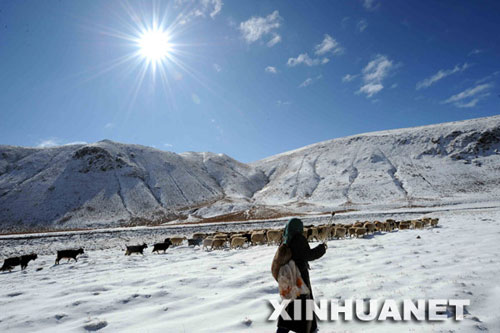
[321,233]
[219,240]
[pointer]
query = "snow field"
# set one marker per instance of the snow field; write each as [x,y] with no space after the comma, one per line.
[191,290]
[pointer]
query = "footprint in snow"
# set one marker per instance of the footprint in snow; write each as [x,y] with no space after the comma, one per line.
[60,316]
[247,321]
[96,325]
[14,294]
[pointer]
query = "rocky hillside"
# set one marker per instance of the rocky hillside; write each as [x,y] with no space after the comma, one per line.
[111,184]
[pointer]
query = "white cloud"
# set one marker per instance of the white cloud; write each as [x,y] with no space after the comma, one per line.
[168,145]
[371,89]
[48,143]
[344,22]
[470,97]
[310,81]
[470,104]
[75,143]
[199,8]
[441,74]
[362,25]
[373,75]
[216,6]
[306,83]
[475,51]
[370,4]
[256,27]
[275,40]
[488,77]
[303,58]
[217,68]
[109,125]
[329,44]
[280,102]
[271,69]
[349,77]
[53,142]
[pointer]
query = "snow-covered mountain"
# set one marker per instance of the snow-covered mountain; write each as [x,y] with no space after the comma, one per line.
[113,184]
[450,162]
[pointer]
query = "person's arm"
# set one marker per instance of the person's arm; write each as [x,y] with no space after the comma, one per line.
[303,252]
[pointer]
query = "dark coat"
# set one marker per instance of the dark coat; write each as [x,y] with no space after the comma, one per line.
[10,263]
[301,254]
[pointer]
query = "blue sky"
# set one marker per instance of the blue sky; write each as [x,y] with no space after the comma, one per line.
[246,78]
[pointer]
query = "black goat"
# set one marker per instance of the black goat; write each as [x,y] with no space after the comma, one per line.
[10,263]
[135,249]
[68,254]
[162,246]
[195,241]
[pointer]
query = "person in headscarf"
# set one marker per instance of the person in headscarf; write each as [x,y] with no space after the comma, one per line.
[301,253]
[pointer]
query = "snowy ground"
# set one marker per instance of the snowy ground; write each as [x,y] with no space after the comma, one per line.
[190,290]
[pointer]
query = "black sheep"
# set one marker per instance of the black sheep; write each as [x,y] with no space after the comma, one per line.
[135,249]
[162,246]
[10,263]
[195,241]
[68,254]
[248,236]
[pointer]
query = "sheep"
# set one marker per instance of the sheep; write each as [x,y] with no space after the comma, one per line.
[218,243]
[258,237]
[207,242]
[136,249]
[380,226]
[199,235]
[358,224]
[221,236]
[404,225]
[390,226]
[274,236]
[236,234]
[177,240]
[10,263]
[416,224]
[238,242]
[434,222]
[340,232]
[312,233]
[195,241]
[323,232]
[162,246]
[68,254]
[331,233]
[360,232]
[370,227]
[248,236]
[352,231]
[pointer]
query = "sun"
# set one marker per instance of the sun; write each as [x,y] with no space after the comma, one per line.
[154,45]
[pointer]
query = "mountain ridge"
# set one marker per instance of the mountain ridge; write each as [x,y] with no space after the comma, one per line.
[106,184]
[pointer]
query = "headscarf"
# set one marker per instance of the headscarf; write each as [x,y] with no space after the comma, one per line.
[294,226]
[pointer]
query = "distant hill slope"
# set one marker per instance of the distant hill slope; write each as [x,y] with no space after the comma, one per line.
[113,184]
[450,162]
